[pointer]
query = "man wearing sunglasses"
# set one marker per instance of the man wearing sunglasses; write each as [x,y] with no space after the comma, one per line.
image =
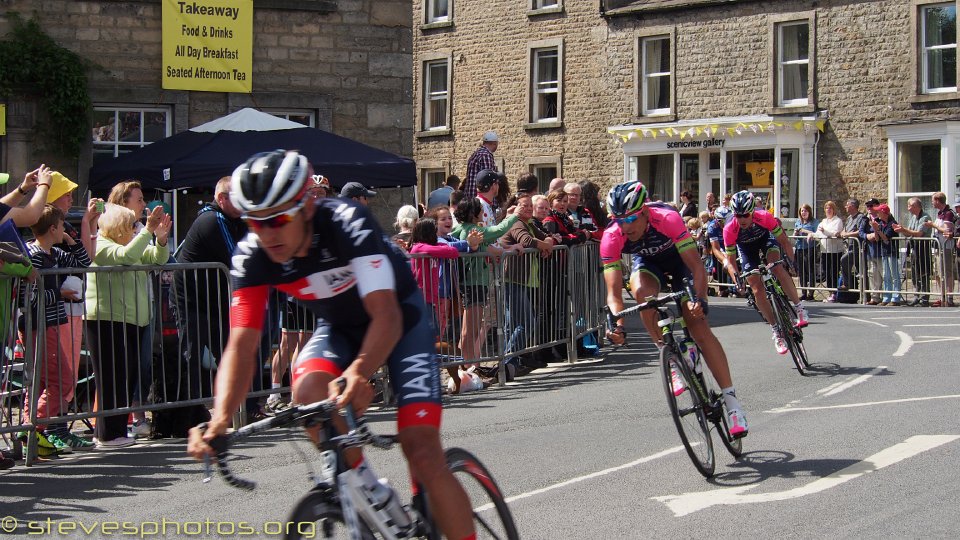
[755,235]
[664,254]
[331,255]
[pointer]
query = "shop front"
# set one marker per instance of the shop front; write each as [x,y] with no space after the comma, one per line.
[772,157]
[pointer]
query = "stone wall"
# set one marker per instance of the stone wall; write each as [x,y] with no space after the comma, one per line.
[863,63]
[348,60]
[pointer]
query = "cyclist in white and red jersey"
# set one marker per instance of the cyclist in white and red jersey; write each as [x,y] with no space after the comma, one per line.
[754,235]
[663,254]
[331,255]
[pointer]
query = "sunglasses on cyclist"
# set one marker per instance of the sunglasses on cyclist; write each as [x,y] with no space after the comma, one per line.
[273,221]
[744,215]
[628,219]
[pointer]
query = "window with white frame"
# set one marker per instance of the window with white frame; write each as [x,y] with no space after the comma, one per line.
[118,130]
[546,85]
[437,11]
[307,118]
[938,31]
[436,94]
[433,179]
[655,59]
[545,173]
[793,64]
[543,4]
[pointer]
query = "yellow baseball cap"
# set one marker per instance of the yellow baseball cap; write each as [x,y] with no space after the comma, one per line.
[60,185]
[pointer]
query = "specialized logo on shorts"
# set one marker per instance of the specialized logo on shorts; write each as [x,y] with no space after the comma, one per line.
[354,227]
[424,369]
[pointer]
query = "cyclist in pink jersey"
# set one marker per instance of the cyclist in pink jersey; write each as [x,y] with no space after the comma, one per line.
[756,235]
[663,254]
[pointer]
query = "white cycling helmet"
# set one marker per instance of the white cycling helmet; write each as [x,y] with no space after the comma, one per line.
[268,180]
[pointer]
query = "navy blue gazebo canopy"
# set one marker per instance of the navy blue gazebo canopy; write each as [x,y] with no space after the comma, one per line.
[199,157]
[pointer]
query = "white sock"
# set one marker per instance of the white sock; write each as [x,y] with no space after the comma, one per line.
[730,398]
[799,305]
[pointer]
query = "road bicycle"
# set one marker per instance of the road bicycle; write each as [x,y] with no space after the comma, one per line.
[338,506]
[698,409]
[784,313]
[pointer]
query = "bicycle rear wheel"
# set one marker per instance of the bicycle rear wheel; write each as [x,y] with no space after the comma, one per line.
[491,515]
[315,516]
[688,413]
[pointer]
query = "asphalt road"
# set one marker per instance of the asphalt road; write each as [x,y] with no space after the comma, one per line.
[864,447]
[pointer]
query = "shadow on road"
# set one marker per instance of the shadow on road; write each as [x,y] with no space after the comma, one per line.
[757,466]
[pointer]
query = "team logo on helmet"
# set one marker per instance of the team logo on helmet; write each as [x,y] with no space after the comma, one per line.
[626,198]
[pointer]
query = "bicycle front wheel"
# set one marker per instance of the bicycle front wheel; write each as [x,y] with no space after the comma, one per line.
[686,408]
[491,515]
[315,516]
[791,334]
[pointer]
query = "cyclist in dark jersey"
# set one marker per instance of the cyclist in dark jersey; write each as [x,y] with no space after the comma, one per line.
[755,234]
[663,254]
[331,255]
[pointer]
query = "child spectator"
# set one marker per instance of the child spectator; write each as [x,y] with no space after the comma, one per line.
[55,370]
[423,239]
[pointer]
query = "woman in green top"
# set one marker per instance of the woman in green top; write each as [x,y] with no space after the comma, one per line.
[475,272]
[117,309]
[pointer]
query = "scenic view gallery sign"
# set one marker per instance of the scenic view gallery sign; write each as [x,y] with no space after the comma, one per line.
[208,45]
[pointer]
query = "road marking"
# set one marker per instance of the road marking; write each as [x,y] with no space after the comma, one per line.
[917,317]
[688,503]
[597,474]
[837,388]
[934,339]
[862,320]
[905,343]
[941,325]
[855,405]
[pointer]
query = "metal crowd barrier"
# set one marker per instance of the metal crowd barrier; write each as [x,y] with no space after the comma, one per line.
[489,310]
[913,269]
[11,368]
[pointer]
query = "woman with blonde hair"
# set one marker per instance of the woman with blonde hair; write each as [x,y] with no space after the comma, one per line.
[117,311]
[829,231]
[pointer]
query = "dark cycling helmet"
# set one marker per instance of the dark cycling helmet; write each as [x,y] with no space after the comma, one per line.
[268,180]
[742,202]
[626,198]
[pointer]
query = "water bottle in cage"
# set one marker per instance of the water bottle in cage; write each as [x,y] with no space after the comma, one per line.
[379,500]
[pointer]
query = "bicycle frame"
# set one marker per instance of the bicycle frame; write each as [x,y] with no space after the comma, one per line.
[331,482]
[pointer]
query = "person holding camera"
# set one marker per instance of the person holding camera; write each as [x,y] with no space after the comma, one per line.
[580,215]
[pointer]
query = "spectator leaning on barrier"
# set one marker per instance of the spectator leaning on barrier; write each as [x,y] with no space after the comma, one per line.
[55,370]
[829,231]
[447,291]
[871,245]
[476,272]
[480,160]
[580,215]
[944,228]
[805,248]
[202,298]
[407,216]
[117,311]
[522,278]
[590,199]
[889,256]
[918,250]
[850,260]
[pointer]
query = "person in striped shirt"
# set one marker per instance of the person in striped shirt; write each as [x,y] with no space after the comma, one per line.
[55,370]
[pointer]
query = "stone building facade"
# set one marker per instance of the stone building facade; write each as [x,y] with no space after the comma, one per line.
[801,101]
[340,65]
